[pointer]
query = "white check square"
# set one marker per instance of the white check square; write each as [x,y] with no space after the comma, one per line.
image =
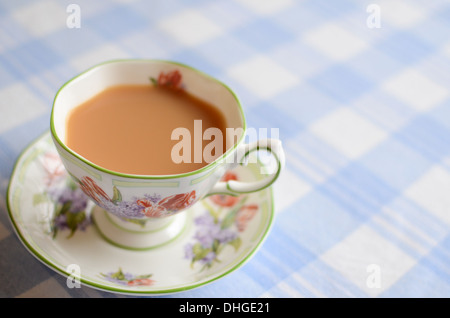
[190,28]
[401,14]
[265,7]
[263,77]
[289,189]
[41,17]
[416,90]
[348,132]
[432,192]
[98,55]
[335,42]
[368,260]
[19,105]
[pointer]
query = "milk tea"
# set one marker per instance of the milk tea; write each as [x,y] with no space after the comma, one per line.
[128,128]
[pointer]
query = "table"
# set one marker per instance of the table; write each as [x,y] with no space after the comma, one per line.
[358,91]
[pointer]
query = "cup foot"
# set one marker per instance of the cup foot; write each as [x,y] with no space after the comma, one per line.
[137,234]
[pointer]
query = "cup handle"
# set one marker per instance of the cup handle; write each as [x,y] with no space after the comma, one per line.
[235,188]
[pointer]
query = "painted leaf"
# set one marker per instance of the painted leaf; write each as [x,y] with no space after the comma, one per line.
[215,245]
[65,208]
[236,243]
[74,178]
[140,222]
[73,219]
[143,276]
[118,275]
[54,231]
[229,219]
[220,248]
[199,251]
[71,184]
[117,196]
[154,81]
[40,198]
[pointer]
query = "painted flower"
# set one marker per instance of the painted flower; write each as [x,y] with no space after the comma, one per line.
[217,228]
[73,196]
[170,79]
[151,209]
[54,168]
[128,279]
[226,200]
[138,207]
[244,215]
[210,230]
[173,203]
[141,282]
[178,201]
[69,201]
[93,190]
[70,208]
[211,236]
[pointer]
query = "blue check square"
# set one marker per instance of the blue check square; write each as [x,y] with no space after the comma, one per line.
[341,83]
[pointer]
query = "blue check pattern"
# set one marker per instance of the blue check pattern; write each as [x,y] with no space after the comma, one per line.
[363,110]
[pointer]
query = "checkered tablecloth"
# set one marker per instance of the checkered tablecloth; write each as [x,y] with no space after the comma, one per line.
[359,91]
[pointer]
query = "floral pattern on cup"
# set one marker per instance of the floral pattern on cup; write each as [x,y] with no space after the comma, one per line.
[92,190]
[69,200]
[128,279]
[172,79]
[168,204]
[151,206]
[226,200]
[219,227]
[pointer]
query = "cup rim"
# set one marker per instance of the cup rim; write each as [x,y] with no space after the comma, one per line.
[139,176]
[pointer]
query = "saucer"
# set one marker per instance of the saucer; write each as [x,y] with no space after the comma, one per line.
[53,219]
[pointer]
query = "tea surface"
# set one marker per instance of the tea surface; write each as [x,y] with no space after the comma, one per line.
[128,128]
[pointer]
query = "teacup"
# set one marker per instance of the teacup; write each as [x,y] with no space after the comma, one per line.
[138,198]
